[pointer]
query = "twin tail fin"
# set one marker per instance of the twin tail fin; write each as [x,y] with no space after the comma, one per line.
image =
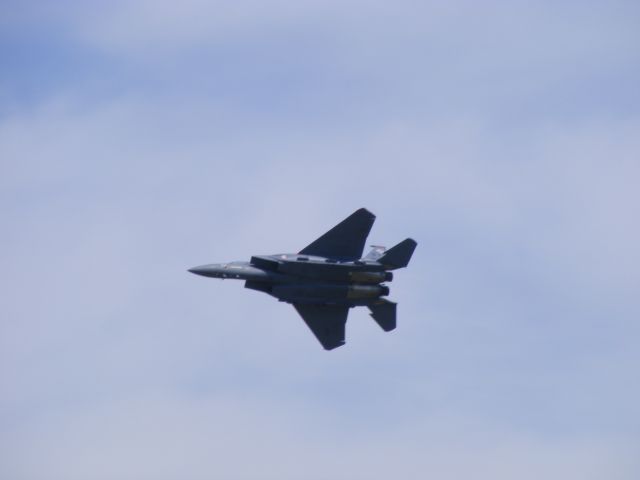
[400,255]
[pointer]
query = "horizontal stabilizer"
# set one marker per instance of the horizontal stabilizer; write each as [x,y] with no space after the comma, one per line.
[384,313]
[399,256]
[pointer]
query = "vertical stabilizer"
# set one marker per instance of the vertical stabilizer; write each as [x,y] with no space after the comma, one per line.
[399,256]
[376,252]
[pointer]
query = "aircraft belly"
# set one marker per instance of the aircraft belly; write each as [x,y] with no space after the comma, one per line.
[332,272]
[328,293]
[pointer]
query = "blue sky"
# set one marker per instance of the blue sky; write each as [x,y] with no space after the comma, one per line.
[141,138]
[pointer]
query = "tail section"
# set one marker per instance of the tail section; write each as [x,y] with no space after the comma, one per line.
[376,252]
[384,313]
[399,256]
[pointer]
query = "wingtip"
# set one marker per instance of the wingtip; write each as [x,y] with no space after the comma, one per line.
[363,210]
[328,348]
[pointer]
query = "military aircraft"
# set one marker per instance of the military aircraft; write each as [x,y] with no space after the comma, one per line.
[327,278]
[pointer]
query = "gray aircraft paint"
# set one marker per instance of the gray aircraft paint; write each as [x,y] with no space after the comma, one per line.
[326,278]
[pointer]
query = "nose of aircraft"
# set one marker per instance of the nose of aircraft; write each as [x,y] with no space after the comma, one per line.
[204,270]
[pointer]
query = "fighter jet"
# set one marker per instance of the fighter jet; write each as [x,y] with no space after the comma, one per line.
[327,277]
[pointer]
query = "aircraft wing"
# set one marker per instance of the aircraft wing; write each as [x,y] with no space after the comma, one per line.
[327,322]
[346,240]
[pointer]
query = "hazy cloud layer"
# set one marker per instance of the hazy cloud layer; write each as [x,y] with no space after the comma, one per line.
[143,138]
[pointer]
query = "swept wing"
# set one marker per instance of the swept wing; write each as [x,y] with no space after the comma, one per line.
[327,322]
[346,240]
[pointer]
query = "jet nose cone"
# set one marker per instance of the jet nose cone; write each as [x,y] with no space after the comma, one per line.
[204,270]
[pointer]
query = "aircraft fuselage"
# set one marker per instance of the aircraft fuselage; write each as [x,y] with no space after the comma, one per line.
[327,277]
[295,278]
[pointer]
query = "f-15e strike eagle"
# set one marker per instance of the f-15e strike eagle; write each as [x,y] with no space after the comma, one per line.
[327,278]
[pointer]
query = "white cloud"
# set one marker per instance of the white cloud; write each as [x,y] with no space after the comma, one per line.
[167,437]
[514,353]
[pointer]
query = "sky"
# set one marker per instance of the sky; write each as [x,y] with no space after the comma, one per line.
[141,138]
